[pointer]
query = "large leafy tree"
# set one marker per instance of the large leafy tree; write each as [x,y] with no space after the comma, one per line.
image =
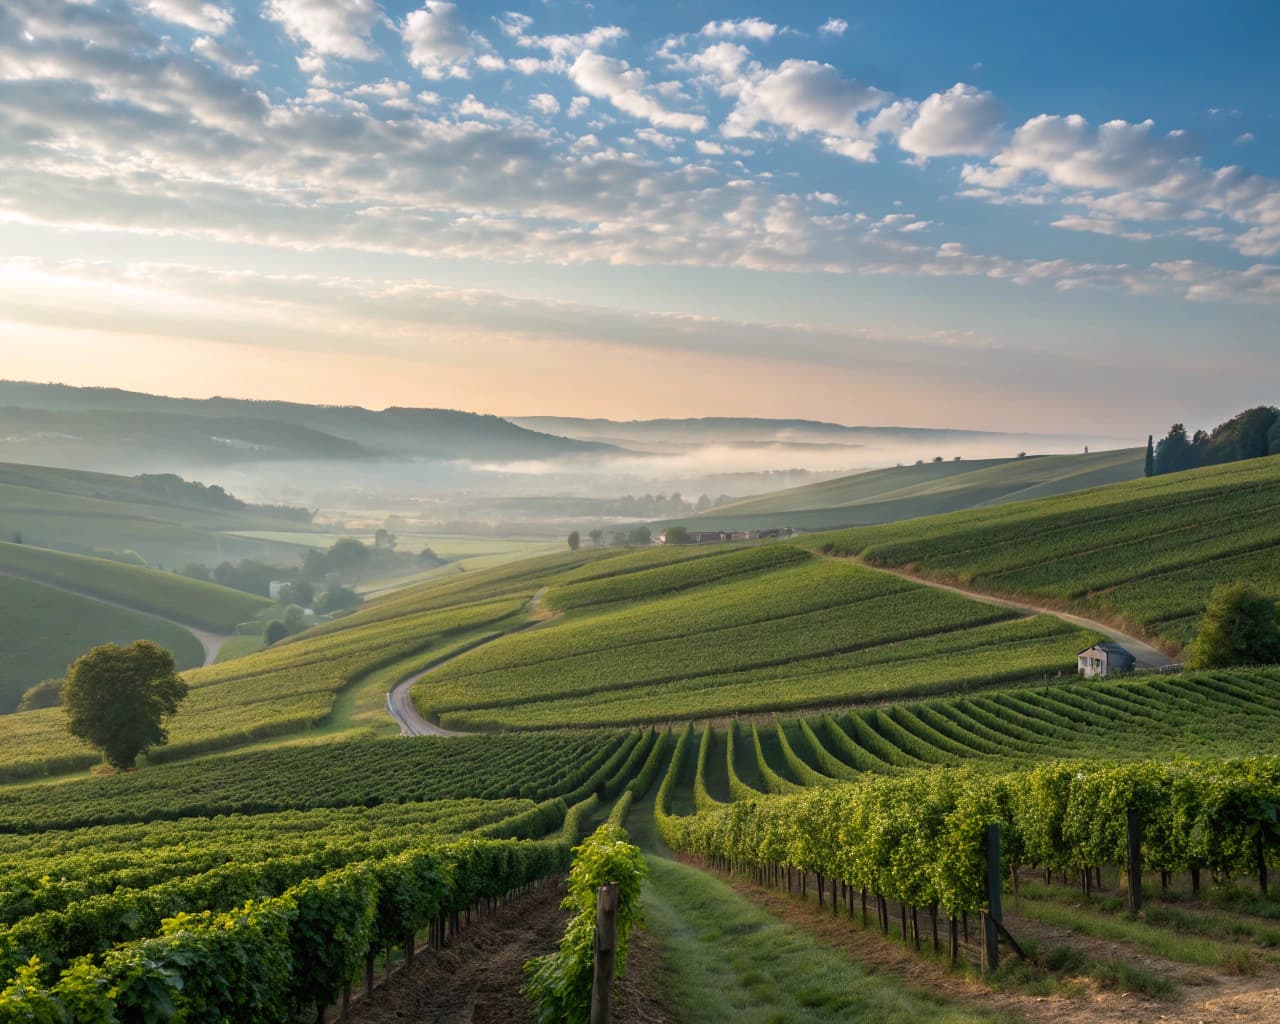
[1239,628]
[118,698]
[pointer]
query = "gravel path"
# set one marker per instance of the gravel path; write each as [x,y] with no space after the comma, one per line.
[1147,656]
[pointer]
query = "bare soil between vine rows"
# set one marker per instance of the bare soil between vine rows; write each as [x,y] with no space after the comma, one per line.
[477,979]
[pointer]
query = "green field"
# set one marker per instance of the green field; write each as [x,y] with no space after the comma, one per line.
[906,492]
[45,629]
[1147,553]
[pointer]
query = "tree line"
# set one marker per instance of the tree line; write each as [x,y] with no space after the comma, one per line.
[1252,434]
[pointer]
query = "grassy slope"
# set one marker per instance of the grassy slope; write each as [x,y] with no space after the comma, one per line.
[1146,553]
[192,602]
[81,511]
[45,629]
[903,492]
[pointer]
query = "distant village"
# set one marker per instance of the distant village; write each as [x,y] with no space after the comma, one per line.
[679,535]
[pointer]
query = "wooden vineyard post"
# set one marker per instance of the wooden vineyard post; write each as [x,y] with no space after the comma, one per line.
[606,952]
[368,975]
[990,938]
[1135,862]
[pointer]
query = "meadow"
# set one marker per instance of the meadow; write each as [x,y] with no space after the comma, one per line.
[78,511]
[192,602]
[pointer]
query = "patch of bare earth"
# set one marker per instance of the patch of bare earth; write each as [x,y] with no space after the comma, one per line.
[477,978]
[1203,995]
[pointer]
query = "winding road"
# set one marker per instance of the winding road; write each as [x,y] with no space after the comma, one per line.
[1148,657]
[400,700]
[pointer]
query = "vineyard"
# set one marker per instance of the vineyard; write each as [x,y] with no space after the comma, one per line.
[253,886]
[1147,552]
[736,630]
[885,812]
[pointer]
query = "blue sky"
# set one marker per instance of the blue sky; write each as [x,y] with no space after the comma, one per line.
[1006,215]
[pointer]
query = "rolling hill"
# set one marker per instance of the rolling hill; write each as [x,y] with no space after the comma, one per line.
[1146,553]
[58,605]
[164,520]
[906,492]
[43,629]
[92,427]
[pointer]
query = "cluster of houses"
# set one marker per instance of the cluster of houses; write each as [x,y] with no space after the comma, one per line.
[723,536]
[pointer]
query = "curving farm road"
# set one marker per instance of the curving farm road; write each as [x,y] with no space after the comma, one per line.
[399,698]
[1148,656]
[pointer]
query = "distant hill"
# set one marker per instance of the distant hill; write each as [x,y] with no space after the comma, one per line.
[681,434]
[905,492]
[57,424]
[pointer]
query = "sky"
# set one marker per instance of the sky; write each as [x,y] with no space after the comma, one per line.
[1004,215]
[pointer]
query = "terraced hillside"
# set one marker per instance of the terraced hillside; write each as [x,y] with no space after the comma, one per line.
[1146,553]
[907,492]
[690,633]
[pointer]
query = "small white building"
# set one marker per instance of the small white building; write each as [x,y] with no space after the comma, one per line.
[275,588]
[1104,659]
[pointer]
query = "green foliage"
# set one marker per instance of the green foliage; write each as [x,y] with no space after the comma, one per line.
[1240,627]
[45,694]
[268,960]
[117,698]
[575,541]
[275,632]
[919,838]
[559,984]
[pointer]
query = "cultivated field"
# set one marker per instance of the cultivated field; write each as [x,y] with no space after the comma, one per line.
[1147,552]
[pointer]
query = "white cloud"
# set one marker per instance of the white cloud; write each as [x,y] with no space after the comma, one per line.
[834,27]
[564,47]
[1133,172]
[1245,137]
[746,28]
[438,41]
[709,148]
[578,106]
[196,14]
[334,28]
[544,103]
[1101,226]
[962,120]
[215,53]
[805,96]
[622,85]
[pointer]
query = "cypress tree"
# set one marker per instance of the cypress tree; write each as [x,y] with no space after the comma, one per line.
[1151,457]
